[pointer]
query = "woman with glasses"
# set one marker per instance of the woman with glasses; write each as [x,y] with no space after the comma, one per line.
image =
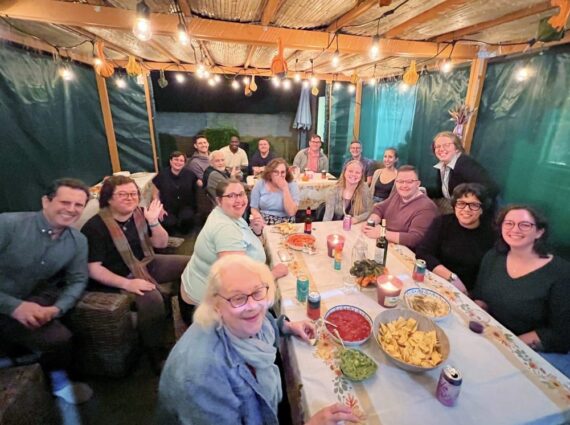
[525,287]
[455,243]
[350,195]
[222,370]
[225,232]
[383,179]
[456,167]
[275,197]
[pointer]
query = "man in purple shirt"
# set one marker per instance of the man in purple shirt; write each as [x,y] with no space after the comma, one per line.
[408,211]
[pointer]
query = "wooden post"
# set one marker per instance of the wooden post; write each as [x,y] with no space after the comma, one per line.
[473,98]
[357,106]
[150,122]
[108,122]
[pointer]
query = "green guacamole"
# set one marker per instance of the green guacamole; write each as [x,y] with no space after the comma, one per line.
[356,365]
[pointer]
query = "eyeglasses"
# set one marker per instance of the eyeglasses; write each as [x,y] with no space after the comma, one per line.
[315,141]
[443,146]
[406,181]
[279,173]
[473,206]
[127,195]
[233,196]
[524,226]
[240,300]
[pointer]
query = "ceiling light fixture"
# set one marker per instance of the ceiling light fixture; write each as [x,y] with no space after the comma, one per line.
[183,37]
[375,47]
[142,29]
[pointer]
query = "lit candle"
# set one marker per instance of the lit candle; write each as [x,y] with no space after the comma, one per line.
[333,241]
[389,288]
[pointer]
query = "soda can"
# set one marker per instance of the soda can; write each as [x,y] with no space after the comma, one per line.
[449,386]
[347,223]
[302,288]
[314,306]
[370,223]
[419,271]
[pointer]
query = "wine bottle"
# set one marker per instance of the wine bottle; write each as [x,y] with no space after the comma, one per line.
[308,221]
[381,251]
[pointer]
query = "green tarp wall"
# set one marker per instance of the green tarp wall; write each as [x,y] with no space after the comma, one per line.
[340,126]
[53,128]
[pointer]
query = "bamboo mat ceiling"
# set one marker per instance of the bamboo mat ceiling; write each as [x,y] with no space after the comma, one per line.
[417,25]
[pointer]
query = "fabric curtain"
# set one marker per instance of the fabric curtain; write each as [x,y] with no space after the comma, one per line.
[51,128]
[130,120]
[522,132]
[386,118]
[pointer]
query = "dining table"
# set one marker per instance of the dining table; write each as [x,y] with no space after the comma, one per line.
[313,190]
[503,380]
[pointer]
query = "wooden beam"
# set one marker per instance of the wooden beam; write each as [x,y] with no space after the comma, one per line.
[42,46]
[108,122]
[206,53]
[509,17]
[218,69]
[150,121]
[75,14]
[473,98]
[269,11]
[351,15]
[357,110]
[429,15]
[186,11]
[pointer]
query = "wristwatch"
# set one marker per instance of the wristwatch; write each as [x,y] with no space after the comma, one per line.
[452,277]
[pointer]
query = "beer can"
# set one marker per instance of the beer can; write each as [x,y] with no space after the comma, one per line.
[347,222]
[302,288]
[419,271]
[449,386]
[370,223]
[314,306]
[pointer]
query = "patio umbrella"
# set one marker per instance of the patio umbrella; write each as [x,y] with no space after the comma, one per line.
[303,119]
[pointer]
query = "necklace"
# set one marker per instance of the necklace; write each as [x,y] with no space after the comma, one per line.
[124,224]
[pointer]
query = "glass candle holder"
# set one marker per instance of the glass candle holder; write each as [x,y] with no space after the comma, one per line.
[333,241]
[389,288]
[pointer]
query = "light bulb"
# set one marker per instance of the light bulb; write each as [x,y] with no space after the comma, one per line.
[183,35]
[211,82]
[305,84]
[314,81]
[375,48]
[206,73]
[142,29]
[337,85]
[66,74]
[403,87]
[446,66]
[245,81]
[351,88]
[235,85]
[286,84]
[372,81]
[120,83]
[180,78]
[97,62]
[297,77]
[217,78]
[335,59]
[276,81]
[522,74]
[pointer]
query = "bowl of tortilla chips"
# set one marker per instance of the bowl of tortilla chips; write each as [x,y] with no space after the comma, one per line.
[410,340]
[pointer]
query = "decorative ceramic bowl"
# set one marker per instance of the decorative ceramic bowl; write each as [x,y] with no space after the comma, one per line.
[428,303]
[424,324]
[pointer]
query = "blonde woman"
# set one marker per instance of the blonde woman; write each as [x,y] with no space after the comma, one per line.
[350,196]
[223,371]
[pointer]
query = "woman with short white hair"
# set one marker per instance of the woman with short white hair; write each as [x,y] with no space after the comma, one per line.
[222,370]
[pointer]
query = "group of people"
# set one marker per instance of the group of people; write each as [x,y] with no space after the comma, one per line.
[223,368]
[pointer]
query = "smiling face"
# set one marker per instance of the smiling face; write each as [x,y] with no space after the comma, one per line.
[244,321]
[65,207]
[234,200]
[218,161]
[202,146]
[444,149]
[125,199]
[407,184]
[464,211]
[263,146]
[177,163]
[353,173]
[315,144]
[389,158]
[355,150]
[234,143]
[512,233]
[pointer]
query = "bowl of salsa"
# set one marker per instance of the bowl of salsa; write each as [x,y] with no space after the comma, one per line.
[353,325]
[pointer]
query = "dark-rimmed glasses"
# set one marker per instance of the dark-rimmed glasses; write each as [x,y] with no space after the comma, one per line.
[473,206]
[443,146]
[233,196]
[524,226]
[127,195]
[240,300]
[410,181]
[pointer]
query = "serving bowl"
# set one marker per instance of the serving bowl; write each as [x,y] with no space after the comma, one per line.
[423,324]
[427,303]
[349,321]
[356,366]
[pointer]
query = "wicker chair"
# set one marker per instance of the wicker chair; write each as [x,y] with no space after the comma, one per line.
[25,398]
[105,336]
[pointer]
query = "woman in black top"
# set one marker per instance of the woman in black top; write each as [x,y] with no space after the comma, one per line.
[455,243]
[383,178]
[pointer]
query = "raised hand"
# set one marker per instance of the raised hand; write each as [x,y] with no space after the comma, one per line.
[154,211]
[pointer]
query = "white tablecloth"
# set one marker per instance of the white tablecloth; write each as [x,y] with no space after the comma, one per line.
[504,381]
[312,192]
[143,181]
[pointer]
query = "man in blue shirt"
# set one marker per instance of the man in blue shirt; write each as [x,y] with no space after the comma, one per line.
[43,272]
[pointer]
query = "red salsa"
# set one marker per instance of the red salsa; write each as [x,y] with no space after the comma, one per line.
[351,326]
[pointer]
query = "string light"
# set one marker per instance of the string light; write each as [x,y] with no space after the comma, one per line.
[97,62]
[351,88]
[180,78]
[403,87]
[66,73]
[335,59]
[183,37]
[286,84]
[120,83]
[305,84]
[314,81]
[211,82]
[217,78]
[235,85]
[245,81]
[276,81]
[446,66]
[372,81]
[522,74]
[375,48]
[337,85]
[142,29]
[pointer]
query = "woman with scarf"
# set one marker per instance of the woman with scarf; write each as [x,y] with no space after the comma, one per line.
[222,370]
